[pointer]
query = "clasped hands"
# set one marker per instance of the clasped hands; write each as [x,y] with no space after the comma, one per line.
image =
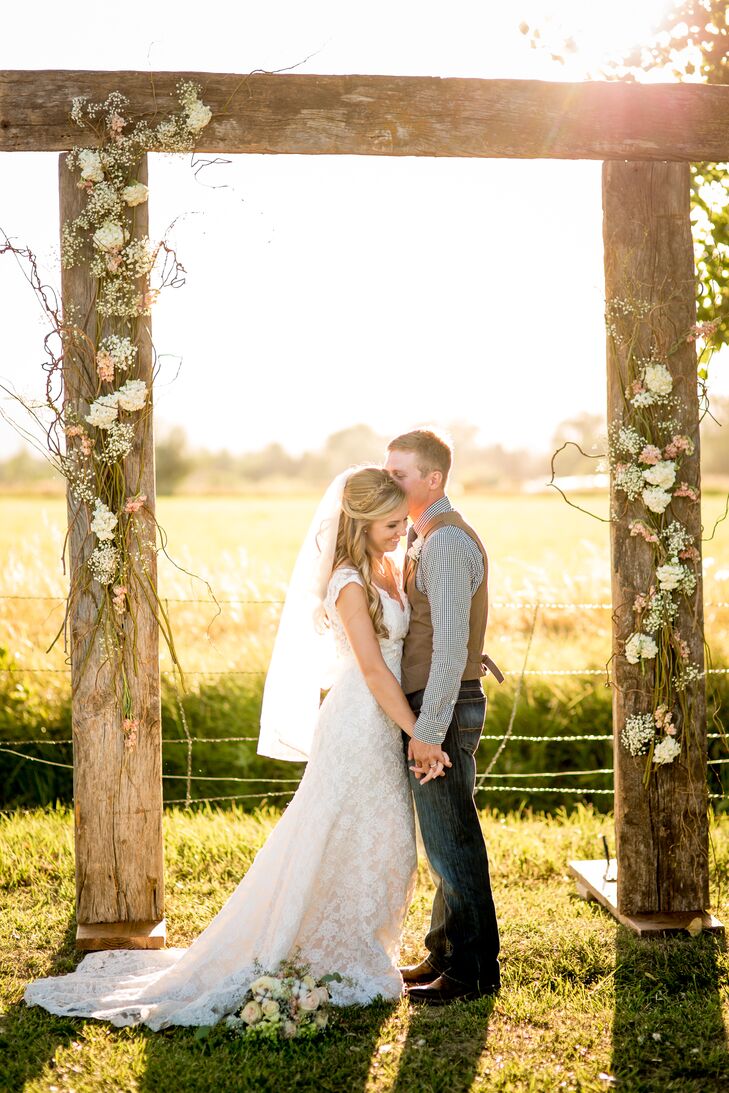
[430,760]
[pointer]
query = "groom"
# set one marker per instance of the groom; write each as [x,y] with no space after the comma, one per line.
[446,580]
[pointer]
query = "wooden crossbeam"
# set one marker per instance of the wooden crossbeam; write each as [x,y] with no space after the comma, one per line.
[391,115]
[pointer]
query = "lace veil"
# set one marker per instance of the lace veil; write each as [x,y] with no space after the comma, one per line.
[303,653]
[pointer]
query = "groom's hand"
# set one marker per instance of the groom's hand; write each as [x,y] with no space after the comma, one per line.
[430,760]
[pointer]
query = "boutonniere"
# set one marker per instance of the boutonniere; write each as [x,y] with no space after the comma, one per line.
[413,552]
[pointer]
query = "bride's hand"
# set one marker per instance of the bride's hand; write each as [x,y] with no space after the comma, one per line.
[433,770]
[431,765]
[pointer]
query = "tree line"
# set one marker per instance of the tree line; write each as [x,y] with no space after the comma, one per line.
[181,468]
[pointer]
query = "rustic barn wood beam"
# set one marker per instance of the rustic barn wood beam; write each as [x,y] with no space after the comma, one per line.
[391,115]
[117,790]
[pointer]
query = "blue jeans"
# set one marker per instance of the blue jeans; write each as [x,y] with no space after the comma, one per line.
[463,940]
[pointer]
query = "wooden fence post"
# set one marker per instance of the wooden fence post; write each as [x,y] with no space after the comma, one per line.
[117,790]
[661,830]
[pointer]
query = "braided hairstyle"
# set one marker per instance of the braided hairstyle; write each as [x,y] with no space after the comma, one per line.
[369,494]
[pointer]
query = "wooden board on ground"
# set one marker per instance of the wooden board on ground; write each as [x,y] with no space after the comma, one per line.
[596,881]
[93,936]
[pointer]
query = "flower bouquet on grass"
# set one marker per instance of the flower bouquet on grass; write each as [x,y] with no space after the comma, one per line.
[287,1005]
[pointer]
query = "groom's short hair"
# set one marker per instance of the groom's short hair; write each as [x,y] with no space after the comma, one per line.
[431,451]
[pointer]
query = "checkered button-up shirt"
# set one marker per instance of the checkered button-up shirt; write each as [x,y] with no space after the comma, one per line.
[450,570]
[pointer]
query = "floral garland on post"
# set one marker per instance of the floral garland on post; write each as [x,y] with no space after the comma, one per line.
[99,439]
[646,449]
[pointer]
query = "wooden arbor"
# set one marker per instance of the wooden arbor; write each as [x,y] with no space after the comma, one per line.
[647,135]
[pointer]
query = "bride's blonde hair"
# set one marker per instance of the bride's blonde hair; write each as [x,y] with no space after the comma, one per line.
[369,494]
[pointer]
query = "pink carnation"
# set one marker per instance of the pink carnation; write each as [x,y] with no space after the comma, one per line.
[702,330]
[116,124]
[690,553]
[679,444]
[129,728]
[684,490]
[86,445]
[638,527]
[74,430]
[636,387]
[105,367]
[120,591]
[134,504]
[650,454]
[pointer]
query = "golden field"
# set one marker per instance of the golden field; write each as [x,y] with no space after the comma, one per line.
[540,550]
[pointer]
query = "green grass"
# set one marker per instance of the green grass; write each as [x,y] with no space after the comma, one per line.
[581,997]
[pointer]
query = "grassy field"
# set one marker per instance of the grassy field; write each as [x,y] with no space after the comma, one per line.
[540,550]
[584,1007]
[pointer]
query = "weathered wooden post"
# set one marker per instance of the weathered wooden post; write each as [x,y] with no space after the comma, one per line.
[117,790]
[661,828]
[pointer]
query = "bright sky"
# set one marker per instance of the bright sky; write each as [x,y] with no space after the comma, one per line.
[325,291]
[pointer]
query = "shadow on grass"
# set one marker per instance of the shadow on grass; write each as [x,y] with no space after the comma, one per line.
[668,1030]
[29,1035]
[443,1047]
[188,1062]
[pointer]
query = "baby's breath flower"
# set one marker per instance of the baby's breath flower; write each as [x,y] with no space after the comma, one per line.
[118,443]
[121,350]
[104,562]
[638,732]
[629,479]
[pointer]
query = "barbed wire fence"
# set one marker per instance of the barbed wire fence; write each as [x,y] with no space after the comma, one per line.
[487,781]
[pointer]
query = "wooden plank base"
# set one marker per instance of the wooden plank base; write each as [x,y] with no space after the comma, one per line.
[94,936]
[590,877]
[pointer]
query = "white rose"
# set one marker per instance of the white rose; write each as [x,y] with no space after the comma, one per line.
[669,576]
[198,115]
[320,1019]
[104,521]
[90,164]
[658,379]
[640,646]
[656,499]
[132,396]
[309,982]
[666,751]
[103,412]
[110,236]
[270,1008]
[288,1028]
[661,474]
[251,1013]
[309,1002]
[135,194]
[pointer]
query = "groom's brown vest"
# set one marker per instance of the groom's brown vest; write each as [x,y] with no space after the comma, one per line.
[418,648]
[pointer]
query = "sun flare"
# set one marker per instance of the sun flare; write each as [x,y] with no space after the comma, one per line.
[586,34]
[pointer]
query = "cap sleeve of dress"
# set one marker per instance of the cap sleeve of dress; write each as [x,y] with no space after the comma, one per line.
[339,579]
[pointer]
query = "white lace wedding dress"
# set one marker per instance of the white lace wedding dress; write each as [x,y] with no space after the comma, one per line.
[333,880]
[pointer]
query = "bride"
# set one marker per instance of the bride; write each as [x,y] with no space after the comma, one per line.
[333,882]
